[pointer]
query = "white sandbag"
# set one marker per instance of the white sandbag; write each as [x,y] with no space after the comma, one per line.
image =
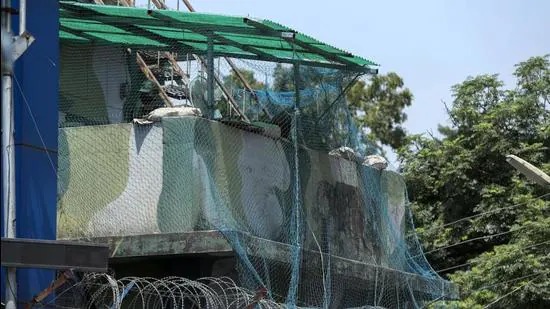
[376,161]
[161,112]
[344,152]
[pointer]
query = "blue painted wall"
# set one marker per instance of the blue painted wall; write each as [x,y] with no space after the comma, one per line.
[36,88]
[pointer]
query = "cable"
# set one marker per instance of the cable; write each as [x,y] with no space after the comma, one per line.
[469,263]
[472,239]
[433,301]
[508,294]
[486,212]
[35,125]
[321,253]
[482,237]
[11,287]
[508,281]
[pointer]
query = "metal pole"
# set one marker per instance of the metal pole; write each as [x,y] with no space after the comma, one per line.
[8,160]
[188,5]
[210,72]
[295,225]
[8,179]
[297,85]
[529,170]
[22,16]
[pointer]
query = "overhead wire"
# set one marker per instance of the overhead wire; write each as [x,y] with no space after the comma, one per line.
[535,274]
[486,212]
[35,124]
[486,236]
[509,281]
[470,263]
[508,294]
[473,239]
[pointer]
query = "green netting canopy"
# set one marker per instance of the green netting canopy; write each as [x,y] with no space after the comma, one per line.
[260,149]
[237,37]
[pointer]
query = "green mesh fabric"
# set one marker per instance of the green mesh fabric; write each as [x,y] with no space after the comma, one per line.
[276,167]
[177,31]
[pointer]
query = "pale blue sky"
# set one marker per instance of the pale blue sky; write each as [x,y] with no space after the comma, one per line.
[432,44]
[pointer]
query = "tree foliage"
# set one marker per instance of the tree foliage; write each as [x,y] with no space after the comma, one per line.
[377,103]
[232,80]
[233,83]
[379,107]
[481,222]
[283,79]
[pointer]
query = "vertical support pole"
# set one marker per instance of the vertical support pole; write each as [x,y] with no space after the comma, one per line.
[297,85]
[8,152]
[210,74]
[295,225]
[296,68]
[22,16]
[8,179]
[35,103]
[7,128]
[295,116]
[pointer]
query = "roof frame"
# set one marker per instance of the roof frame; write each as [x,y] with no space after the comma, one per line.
[292,39]
[225,31]
[153,18]
[280,34]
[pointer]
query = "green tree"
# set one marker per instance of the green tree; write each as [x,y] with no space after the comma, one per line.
[310,77]
[283,78]
[233,80]
[481,222]
[237,89]
[378,106]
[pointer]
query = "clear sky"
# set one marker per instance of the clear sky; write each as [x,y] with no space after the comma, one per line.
[432,44]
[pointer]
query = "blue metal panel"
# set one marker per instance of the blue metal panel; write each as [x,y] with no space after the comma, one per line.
[36,99]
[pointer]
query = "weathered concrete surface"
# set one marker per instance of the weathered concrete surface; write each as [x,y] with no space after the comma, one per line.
[214,243]
[202,176]
[188,243]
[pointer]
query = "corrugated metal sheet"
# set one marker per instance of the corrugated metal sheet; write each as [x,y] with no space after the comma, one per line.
[182,32]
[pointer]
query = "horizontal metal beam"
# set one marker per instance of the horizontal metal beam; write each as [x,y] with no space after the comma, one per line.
[208,30]
[290,37]
[159,20]
[264,30]
[229,29]
[182,50]
[54,254]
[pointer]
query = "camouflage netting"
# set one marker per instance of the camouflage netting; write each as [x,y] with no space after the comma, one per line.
[280,171]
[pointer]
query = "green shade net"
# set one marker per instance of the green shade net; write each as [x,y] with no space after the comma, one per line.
[279,170]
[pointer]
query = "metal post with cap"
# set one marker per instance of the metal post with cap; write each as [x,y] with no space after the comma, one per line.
[20,252]
[529,170]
